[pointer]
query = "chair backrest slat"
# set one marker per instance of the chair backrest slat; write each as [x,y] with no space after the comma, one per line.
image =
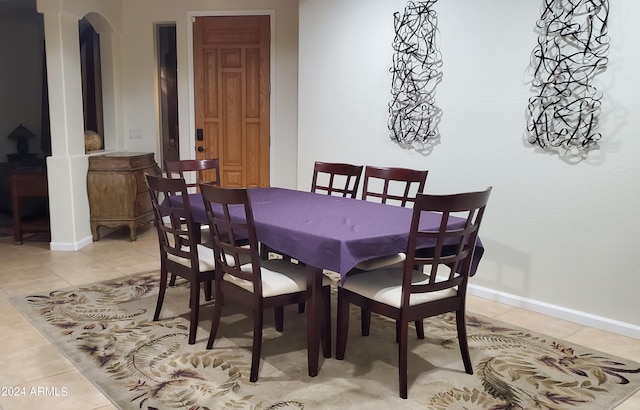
[398,184]
[343,179]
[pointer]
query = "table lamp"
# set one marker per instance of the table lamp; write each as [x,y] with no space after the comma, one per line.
[21,134]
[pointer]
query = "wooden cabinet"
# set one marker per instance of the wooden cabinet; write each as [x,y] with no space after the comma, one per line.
[117,190]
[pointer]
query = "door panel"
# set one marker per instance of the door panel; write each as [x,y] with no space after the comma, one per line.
[210,100]
[231,72]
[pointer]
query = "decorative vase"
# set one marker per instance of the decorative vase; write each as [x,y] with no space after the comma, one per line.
[92,141]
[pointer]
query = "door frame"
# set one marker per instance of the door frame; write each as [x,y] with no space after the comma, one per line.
[191,81]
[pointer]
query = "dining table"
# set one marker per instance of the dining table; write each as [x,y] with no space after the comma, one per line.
[329,233]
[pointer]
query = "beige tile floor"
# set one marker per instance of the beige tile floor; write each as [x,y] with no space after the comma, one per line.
[30,360]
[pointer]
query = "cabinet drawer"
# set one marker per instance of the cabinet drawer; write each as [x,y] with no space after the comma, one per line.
[143,203]
[142,179]
[145,161]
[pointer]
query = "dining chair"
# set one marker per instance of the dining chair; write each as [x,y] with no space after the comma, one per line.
[397,186]
[194,172]
[204,171]
[181,254]
[336,178]
[394,186]
[406,294]
[258,284]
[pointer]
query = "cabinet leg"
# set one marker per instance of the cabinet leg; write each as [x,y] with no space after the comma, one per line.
[94,231]
[132,231]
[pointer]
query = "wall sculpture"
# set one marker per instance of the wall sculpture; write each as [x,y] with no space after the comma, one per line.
[416,71]
[572,49]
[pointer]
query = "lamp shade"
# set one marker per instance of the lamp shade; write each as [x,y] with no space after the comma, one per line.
[21,132]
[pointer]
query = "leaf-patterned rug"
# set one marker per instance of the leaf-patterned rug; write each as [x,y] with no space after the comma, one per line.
[106,330]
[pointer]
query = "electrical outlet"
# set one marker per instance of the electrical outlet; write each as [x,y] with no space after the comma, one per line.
[135,134]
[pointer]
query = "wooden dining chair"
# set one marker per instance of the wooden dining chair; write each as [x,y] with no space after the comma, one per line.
[259,284]
[194,171]
[393,186]
[406,294]
[181,254]
[336,179]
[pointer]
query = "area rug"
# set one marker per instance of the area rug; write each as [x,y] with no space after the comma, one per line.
[106,330]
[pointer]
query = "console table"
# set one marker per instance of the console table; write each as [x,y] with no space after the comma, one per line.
[117,189]
[25,186]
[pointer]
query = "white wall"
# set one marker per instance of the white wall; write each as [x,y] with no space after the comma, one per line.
[555,233]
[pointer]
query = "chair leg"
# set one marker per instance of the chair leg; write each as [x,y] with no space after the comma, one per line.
[161,290]
[326,322]
[462,341]
[264,252]
[279,317]
[215,321]
[257,344]
[342,326]
[402,358]
[301,307]
[172,282]
[365,323]
[419,329]
[208,285]
[195,305]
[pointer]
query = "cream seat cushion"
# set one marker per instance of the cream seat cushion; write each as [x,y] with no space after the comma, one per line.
[385,286]
[382,262]
[279,277]
[205,258]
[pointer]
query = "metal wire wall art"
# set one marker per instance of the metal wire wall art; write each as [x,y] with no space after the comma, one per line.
[416,71]
[573,46]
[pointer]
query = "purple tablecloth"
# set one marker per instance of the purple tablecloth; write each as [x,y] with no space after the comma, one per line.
[329,232]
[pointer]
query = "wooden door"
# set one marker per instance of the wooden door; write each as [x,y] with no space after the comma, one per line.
[231,72]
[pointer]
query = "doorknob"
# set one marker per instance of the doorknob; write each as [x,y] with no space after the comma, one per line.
[200,149]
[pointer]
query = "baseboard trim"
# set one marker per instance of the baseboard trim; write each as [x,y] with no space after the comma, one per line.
[586,319]
[71,246]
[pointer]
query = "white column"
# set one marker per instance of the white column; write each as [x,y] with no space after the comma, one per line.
[67,167]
